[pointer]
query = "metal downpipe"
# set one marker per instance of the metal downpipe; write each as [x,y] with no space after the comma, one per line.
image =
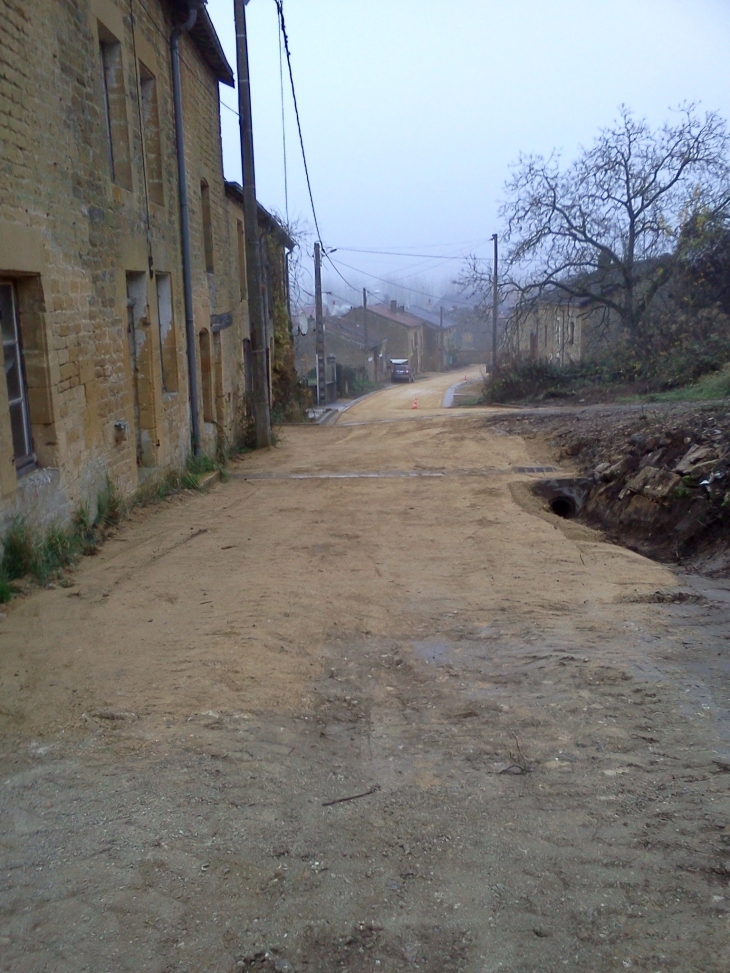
[193,7]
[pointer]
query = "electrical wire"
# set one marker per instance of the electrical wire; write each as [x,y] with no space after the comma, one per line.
[384,280]
[233,110]
[282,24]
[394,253]
[332,264]
[283,130]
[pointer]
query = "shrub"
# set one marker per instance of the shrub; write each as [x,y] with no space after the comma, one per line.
[539,379]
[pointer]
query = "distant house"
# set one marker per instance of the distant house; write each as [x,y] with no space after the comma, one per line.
[561,328]
[403,331]
[554,328]
[439,345]
[344,338]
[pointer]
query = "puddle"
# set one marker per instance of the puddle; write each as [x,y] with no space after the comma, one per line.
[436,651]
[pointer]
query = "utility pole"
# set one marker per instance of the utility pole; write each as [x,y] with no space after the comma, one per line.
[442,342]
[365,333]
[495,308]
[319,328]
[259,343]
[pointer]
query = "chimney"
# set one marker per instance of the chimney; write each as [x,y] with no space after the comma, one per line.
[394,307]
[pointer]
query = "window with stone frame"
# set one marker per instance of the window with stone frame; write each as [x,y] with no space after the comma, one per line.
[15,379]
[206,375]
[168,334]
[207,226]
[151,134]
[115,108]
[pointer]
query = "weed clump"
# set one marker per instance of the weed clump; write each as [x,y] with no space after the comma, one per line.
[18,550]
[111,507]
[43,553]
[40,554]
[6,592]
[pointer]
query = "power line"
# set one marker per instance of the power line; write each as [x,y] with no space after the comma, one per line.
[394,253]
[332,263]
[283,130]
[392,283]
[282,24]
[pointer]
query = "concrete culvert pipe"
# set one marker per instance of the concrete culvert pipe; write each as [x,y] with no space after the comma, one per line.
[563,506]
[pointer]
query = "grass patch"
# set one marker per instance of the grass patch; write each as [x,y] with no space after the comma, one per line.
[535,381]
[40,554]
[6,592]
[18,550]
[43,554]
[715,385]
[111,507]
[158,488]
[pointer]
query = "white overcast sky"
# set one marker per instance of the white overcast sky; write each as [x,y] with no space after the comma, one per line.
[413,110]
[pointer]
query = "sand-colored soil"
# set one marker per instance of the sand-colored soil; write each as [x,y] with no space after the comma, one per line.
[545,740]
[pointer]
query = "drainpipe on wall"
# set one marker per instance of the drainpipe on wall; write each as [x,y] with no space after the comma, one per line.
[193,7]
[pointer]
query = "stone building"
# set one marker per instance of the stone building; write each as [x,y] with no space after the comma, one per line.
[343,338]
[557,328]
[392,327]
[275,245]
[92,281]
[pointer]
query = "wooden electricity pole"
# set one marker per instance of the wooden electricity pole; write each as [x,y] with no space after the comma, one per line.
[319,328]
[495,308]
[262,417]
[365,333]
[442,340]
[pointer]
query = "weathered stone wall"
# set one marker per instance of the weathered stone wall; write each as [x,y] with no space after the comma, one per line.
[70,234]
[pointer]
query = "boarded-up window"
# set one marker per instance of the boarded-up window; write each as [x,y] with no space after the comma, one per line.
[206,376]
[207,226]
[168,335]
[115,108]
[151,134]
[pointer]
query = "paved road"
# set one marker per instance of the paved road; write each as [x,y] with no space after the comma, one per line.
[367,706]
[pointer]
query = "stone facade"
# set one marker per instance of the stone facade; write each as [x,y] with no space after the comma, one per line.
[399,334]
[557,329]
[90,249]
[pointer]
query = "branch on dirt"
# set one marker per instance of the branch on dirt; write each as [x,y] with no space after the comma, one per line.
[352,797]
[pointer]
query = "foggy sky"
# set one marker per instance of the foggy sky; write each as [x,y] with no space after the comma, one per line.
[413,110]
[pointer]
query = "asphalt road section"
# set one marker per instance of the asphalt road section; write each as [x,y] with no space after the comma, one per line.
[367,707]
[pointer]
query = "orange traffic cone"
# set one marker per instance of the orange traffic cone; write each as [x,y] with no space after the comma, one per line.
[415,402]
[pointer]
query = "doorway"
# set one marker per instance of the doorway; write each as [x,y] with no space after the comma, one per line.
[140,357]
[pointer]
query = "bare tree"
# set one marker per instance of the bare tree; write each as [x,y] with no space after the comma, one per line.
[608,227]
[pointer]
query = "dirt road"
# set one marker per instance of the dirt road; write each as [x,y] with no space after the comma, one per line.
[367,707]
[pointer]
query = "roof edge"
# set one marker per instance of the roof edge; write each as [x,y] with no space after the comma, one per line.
[205,38]
[235,191]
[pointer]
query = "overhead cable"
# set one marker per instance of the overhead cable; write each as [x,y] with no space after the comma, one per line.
[282,24]
[384,280]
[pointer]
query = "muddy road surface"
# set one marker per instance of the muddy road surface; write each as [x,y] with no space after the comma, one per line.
[367,707]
